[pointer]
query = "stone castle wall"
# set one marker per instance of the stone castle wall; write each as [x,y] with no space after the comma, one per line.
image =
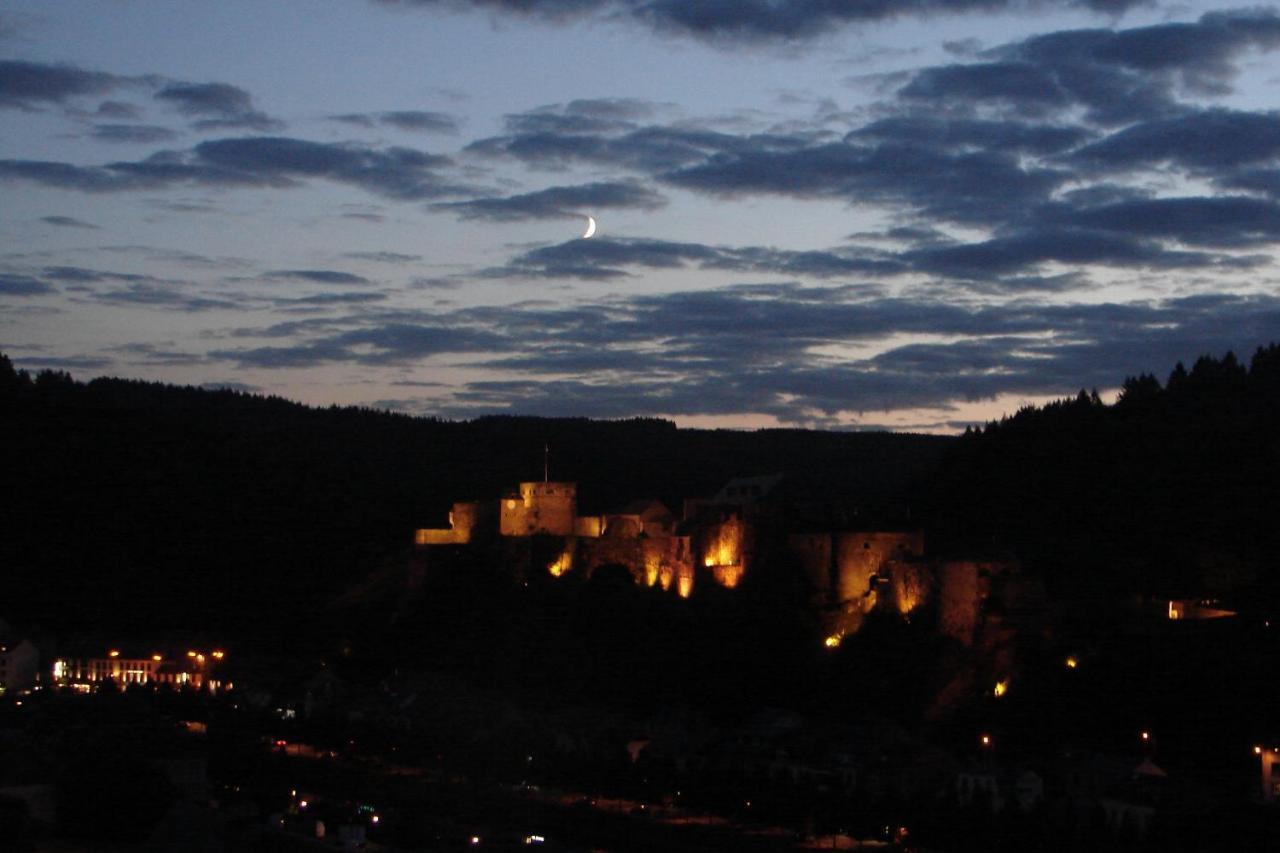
[539,508]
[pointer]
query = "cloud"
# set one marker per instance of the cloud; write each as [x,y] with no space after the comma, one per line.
[1202,139]
[389,343]
[1040,139]
[73,362]
[84,275]
[23,285]
[962,185]
[28,85]
[728,353]
[800,353]
[1262,180]
[734,21]
[1221,221]
[117,110]
[68,222]
[328,299]
[407,120]
[383,257]
[1073,246]
[316,276]
[137,133]
[159,296]
[564,202]
[264,161]
[418,120]
[1130,234]
[1118,76]
[217,106]
[153,355]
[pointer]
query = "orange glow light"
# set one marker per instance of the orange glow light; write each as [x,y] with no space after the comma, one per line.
[1072,663]
[562,564]
[727,576]
[156,658]
[1001,688]
[113,653]
[832,642]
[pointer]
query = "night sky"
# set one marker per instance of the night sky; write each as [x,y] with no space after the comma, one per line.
[911,214]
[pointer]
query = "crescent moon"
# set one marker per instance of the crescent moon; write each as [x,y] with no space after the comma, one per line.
[591,227]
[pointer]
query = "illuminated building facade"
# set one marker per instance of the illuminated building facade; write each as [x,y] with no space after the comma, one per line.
[196,669]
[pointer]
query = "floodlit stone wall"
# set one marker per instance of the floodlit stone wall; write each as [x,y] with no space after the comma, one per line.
[464,518]
[539,508]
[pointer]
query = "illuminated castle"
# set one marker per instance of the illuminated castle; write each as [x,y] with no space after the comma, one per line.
[849,573]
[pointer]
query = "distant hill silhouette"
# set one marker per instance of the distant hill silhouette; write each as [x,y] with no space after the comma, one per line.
[142,506]
[1170,491]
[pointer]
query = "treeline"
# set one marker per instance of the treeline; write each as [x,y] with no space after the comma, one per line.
[1171,491]
[141,504]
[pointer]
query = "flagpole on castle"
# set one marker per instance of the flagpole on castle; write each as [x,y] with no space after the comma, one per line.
[546,463]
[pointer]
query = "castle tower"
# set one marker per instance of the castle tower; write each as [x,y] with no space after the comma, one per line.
[544,507]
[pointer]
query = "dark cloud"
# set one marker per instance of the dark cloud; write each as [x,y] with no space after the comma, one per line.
[138,133]
[118,110]
[27,85]
[647,149]
[1074,246]
[408,120]
[559,202]
[749,20]
[316,276]
[965,133]
[84,275]
[602,259]
[23,285]
[73,362]
[217,106]
[772,348]
[1017,82]
[389,343]
[383,257]
[1132,234]
[1204,139]
[418,120]
[152,355]
[727,353]
[68,222]
[400,173]
[158,296]
[962,185]
[327,299]
[1117,76]
[1222,221]
[1263,180]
